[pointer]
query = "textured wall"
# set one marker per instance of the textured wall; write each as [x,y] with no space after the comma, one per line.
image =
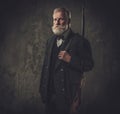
[25,27]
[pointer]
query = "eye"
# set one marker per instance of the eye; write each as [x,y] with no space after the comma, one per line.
[55,19]
[62,19]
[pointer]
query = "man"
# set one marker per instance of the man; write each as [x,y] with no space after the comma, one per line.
[67,57]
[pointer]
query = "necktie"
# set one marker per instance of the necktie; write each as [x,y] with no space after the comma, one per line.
[59,41]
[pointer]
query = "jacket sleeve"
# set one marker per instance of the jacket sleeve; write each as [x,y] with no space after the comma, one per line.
[83,60]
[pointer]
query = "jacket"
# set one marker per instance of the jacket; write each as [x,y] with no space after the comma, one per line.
[70,73]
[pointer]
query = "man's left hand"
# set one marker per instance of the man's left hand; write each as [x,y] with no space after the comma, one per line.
[65,56]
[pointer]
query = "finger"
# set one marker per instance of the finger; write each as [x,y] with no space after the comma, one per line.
[63,52]
[60,56]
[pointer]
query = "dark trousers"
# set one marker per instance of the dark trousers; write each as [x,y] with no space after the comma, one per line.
[57,105]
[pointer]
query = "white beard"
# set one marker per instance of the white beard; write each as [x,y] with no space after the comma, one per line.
[58,30]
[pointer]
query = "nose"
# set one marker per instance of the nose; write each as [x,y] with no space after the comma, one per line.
[57,22]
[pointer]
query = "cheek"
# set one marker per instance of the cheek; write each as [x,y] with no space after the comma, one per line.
[63,23]
[54,23]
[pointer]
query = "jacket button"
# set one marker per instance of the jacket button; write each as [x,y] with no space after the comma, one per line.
[61,69]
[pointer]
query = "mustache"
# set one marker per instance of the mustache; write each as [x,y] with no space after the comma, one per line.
[59,26]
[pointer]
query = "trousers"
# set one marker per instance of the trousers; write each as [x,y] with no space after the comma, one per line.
[57,105]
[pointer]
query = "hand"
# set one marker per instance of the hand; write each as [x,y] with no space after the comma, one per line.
[65,56]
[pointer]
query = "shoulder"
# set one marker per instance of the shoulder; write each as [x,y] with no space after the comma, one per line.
[77,36]
[80,37]
[80,40]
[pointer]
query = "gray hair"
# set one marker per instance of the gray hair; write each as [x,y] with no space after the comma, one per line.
[66,12]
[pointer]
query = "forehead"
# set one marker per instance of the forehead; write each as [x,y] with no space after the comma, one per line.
[58,14]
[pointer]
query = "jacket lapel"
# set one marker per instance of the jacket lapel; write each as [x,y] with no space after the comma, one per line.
[51,43]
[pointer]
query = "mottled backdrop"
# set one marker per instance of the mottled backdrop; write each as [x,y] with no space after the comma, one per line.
[25,26]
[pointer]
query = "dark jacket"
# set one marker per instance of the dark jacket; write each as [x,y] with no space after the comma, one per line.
[72,72]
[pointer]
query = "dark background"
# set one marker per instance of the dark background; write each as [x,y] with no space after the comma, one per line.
[25,26]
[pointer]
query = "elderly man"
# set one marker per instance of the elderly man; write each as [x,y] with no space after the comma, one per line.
[67,57]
